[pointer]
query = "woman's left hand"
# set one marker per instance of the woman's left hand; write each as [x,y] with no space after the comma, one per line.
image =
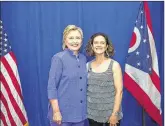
[113,120]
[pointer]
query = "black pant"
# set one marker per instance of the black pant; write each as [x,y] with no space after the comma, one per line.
[94,123]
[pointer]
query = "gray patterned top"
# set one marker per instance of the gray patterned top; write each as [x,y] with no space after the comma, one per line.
[100,94]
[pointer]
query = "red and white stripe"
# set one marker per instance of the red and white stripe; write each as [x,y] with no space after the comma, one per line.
[12,110]
[145,87]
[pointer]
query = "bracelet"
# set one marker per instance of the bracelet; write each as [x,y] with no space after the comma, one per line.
[58,112]
[115,113]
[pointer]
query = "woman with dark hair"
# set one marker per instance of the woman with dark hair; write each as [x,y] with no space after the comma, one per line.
[104,92]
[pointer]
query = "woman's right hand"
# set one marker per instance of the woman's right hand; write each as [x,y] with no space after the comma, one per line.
[57,117]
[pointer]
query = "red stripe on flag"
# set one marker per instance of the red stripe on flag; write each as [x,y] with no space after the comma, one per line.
[12,76]
[13,101]
[13,56]
[7,109]
[148,17]
[3,118]
[142,98]
[155,79]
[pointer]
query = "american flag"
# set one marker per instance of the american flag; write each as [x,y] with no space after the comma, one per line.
[12,112]
[141,77]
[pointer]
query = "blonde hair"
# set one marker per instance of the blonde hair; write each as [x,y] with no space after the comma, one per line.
[67,30]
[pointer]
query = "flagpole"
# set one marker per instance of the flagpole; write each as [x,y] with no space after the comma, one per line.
[143,111]
[143,117]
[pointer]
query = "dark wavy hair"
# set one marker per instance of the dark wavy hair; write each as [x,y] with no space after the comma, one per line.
[110,50]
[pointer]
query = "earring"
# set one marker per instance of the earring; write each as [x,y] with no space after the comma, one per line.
[107,53]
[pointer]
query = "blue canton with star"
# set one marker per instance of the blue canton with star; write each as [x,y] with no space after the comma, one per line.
[4,44]
[141,57]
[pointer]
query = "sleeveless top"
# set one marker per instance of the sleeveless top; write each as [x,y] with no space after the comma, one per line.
[101,94]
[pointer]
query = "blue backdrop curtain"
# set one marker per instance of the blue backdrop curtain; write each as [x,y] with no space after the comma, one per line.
[35,33]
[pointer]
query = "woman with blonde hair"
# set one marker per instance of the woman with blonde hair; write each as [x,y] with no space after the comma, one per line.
[68,82]
[104,92]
